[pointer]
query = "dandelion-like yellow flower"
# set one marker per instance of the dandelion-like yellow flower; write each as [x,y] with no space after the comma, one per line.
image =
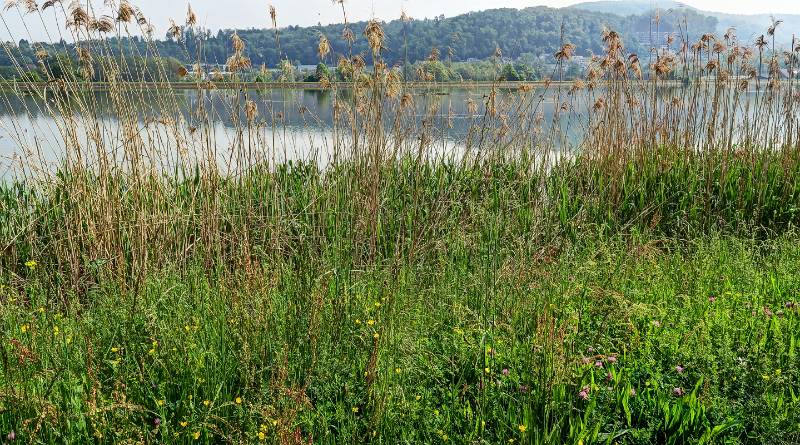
[377,304]
[31,264]
[261,436]
[522,428]
[371,322]
[376,335]
[206,402]
[487,370]
[419,397]
[24,328]
[238,400]
[184,423]
[114,349]
[196,435]
[358,321]
[55,330]
[778,371]
[262,427]
[161,402]
[41,309]
[354,409]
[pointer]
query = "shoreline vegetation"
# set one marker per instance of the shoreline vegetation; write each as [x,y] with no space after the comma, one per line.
[163,282]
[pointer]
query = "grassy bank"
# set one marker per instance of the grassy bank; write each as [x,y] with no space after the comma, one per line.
[170,276]
[627,341]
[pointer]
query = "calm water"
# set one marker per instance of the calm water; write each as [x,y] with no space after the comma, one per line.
[296,123]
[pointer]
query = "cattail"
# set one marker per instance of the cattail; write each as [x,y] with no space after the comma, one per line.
[774,26]
[375,36]
[718,47]
[238,43]
[730,35]
[324,82]
[634,66]
[348,36]
[472,107]
[104,24]
[565,53]
[125,13]
[77,17]
[250,110]
[30,6]
[174,30]
[191,17]
[273,15]
[238,62]
[324,47]
[50,4]
[761,42]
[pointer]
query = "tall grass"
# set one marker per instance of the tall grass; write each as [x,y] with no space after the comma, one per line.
[392,284]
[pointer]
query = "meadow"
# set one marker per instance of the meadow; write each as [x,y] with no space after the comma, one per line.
[161,283]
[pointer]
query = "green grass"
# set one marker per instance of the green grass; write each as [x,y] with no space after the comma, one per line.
[299,348]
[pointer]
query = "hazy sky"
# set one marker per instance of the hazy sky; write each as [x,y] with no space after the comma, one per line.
[216,14]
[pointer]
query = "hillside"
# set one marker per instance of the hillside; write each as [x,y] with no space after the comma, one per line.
[531,31]
[748,26]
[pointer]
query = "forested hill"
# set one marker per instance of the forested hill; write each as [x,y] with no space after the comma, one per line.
[536,30]
[476,35]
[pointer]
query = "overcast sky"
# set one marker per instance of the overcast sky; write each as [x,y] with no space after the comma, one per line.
[216,14]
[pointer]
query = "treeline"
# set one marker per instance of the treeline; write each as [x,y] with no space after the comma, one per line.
[467,37]
[476,35]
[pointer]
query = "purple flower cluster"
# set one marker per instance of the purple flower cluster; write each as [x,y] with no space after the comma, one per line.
[584,393]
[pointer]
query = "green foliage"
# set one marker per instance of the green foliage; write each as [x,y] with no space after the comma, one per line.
[607,342]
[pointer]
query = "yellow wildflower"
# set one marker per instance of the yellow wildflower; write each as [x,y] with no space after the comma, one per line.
[184,423]
[486,370]
[354,409]
[370,322]
[31,264]
[398,370]
[358,321]
[778,371]
[376,335]
[522,428]
[261,436]
[238,400]
[206,402]
[24,328]
[161,402]
[114,349]
[196,435]
[55,330]
[377,304]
